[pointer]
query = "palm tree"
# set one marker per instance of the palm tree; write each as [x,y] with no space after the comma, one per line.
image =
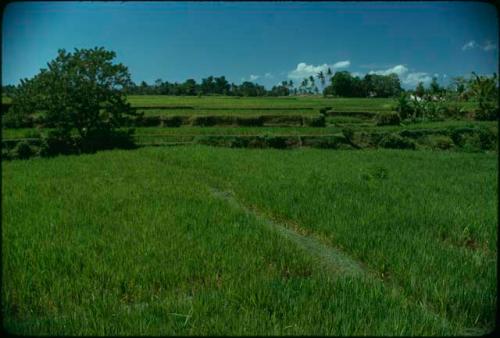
[485,91]
[329,74]
[321,78]
[304,84]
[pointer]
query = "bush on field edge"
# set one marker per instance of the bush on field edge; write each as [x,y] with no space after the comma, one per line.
[58,143]
[388,119]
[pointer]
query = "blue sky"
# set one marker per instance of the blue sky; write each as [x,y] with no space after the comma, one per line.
[262,42]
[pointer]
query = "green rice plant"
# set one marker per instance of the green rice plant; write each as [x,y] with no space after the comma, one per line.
[127,249]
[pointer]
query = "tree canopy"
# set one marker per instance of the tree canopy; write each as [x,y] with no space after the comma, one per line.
[82,90]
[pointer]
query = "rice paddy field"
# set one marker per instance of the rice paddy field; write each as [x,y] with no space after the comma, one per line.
[248,106]
[201,240]
[264,103]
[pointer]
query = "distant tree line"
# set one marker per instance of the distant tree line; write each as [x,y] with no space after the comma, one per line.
[338,84]
[436,101]
[208,86]
[342,84]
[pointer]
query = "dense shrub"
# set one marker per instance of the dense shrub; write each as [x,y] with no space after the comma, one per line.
[148,121]
[348,133]
[387,119]
[454,110]
[418,133]
[106,139]
[6,155]
[324,110]
[487,112]
[314,121]
[458,134]
[239,142]
[257,142]
[204,121]
[254,121]
[288,120]
[24,150]
[471,143]
[439,142]
[366,115]
[329,142]
[475,139]
[278,142]
[397,142]
[174,121]
[56,142]
[487,139]
[221,141]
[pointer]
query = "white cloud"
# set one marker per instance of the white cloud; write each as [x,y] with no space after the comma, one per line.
[399,70]
[304,70]
[253,77]
[469,45]
[488,45]
[412,79]
[341,64]
[268,76]
[409,79]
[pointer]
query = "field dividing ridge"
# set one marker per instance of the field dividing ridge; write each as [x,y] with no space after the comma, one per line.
[330,257]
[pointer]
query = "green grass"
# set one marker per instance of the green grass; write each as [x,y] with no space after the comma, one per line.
[226,112]
[6,99]
[228,102]
[136,243]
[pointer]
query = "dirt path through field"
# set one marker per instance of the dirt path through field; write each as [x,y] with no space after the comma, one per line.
[331,258]
[334,259]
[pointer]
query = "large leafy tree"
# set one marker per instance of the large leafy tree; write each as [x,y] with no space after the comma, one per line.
[80,91]
[381,85]
[344,84]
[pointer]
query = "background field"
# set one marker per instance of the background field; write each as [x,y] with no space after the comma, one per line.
[135,242]
[228,102]
[227,105]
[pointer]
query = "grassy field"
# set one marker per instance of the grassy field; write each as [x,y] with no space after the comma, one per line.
[141,242]
[280,103]
[223,105]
